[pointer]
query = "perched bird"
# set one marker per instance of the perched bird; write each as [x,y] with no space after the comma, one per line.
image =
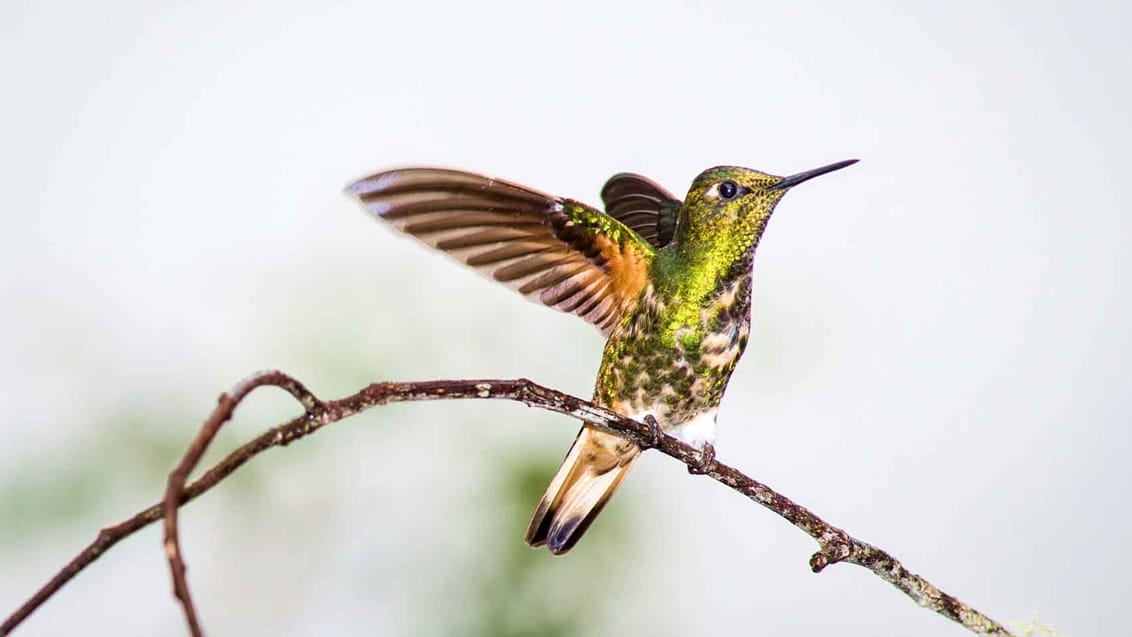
[667,282]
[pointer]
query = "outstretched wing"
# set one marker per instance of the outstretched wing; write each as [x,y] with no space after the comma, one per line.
[558,252]
[642,205]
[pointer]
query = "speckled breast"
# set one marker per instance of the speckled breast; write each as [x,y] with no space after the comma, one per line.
[674,363]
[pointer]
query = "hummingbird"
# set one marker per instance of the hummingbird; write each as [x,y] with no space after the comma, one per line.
[667,282]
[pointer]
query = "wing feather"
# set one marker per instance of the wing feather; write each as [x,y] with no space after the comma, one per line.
[556,251]
[642,205]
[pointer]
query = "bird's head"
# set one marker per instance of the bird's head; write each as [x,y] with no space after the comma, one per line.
[727,207]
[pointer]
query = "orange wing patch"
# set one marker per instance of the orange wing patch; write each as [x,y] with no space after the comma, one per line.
[628,269]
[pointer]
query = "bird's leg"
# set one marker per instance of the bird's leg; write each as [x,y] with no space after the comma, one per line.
[654,430]
[703,464]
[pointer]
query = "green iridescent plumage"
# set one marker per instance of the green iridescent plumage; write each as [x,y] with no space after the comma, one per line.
[673,355]
[668,281]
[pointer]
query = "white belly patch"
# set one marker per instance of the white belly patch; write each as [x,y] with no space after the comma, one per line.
[698,430]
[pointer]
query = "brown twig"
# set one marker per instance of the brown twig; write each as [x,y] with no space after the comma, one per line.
[834,544]
[175,488]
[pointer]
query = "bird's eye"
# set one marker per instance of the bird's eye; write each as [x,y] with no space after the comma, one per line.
[728,190]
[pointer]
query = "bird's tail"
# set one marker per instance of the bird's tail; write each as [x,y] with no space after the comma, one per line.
[592,471]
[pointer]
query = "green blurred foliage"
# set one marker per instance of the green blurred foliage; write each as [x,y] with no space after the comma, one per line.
[520,592]
[97,479]
[73,485]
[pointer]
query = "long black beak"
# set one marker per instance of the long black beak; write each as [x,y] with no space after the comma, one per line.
[794,180]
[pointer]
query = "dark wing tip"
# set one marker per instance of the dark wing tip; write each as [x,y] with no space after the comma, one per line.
[631,184]
[373,183]
[370,191]
[449,181]
[405,177]
[616,182]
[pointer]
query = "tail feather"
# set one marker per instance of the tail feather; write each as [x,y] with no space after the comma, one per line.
[590,474]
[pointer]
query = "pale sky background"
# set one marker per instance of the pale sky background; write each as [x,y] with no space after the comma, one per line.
[940,357]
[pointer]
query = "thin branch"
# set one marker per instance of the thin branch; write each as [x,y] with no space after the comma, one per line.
[175,488]
[111,535]
[834,544]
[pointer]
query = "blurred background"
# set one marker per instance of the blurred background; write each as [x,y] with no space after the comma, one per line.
[939,360]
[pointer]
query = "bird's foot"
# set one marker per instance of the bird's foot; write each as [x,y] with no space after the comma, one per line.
[654,430]
[703,464]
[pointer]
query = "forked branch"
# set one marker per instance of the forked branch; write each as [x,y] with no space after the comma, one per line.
[834,544]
